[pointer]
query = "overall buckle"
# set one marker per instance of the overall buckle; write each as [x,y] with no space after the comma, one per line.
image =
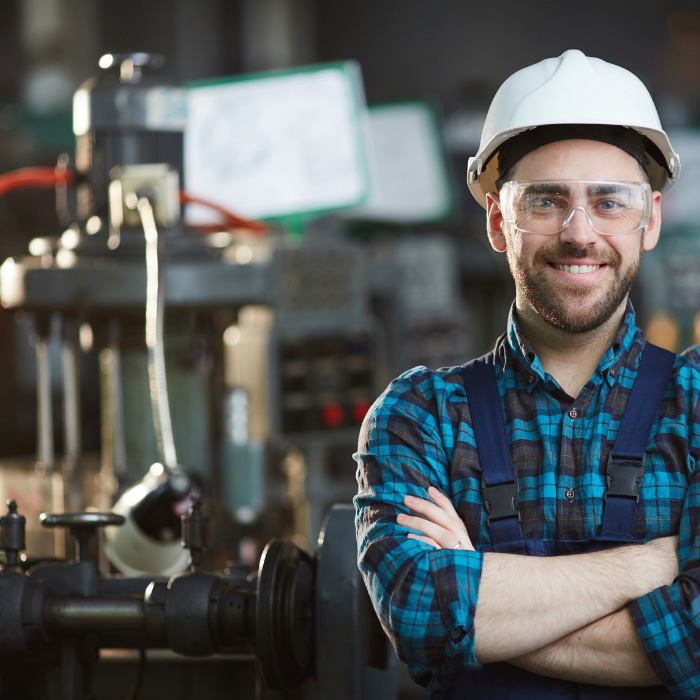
[624,477]
[501,501]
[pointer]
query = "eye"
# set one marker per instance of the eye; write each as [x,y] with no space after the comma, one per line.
[544,203]
[609,206]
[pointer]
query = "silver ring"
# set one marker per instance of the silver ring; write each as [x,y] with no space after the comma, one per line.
[457,546]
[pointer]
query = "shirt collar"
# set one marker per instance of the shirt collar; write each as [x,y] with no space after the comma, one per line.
[518,353]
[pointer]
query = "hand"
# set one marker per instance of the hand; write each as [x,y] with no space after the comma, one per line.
[439,523]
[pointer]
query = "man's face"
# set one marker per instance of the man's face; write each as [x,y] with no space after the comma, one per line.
[576,279]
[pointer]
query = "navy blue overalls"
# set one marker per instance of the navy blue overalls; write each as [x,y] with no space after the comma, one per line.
[625,470]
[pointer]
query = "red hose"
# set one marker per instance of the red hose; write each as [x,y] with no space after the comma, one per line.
[34,177]
[51,177]
[230,220]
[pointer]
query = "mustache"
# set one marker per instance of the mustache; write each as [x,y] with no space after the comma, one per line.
[566,250]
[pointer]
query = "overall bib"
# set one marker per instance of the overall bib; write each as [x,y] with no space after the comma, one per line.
[625,470]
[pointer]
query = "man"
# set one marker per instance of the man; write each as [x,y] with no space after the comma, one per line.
[522,520]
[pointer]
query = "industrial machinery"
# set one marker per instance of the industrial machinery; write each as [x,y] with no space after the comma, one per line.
[267,340]
[303,627]
[231,362]
[176,392]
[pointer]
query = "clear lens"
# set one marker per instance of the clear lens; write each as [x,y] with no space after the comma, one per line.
[547,207]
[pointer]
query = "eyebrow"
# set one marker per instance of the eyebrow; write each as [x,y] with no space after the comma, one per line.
[608,188]
[547,188]
[596,190]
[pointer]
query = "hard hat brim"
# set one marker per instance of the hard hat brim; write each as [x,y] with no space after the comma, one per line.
[482,171]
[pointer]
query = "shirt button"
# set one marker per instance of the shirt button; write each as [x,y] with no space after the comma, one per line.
[571,494]
[612,371]
[573,413]
[531,378]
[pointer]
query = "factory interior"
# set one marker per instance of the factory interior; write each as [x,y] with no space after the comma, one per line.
[226,226]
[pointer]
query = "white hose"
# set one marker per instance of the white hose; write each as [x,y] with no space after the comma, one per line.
[155,312]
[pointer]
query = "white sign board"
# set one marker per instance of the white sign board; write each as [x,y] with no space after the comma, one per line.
[277,144]
[410,177]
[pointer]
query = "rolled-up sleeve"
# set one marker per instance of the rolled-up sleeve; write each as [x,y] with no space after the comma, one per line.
[425,598]
[668,618]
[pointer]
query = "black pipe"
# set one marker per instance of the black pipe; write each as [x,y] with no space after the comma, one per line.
[83,614]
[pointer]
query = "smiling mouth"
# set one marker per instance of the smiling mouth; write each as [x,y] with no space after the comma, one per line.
[577,269]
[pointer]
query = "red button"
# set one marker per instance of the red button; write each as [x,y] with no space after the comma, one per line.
[333,415]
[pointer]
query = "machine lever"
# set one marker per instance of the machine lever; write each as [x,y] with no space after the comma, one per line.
[82,526]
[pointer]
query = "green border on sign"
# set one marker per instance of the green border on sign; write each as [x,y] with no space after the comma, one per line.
[352,72]
[447,182]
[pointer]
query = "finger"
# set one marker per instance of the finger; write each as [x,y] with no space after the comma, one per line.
[438,514]
[446,504]
[466,546]
[442,501]
[428,509]
[432,511]
[445,538]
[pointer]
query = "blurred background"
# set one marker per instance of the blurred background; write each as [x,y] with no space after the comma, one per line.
[338,296]
[328,241]
[417,282]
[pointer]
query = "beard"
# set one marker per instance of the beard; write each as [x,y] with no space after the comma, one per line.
[570,307]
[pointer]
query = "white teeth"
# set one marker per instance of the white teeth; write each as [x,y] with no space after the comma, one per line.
[578,269]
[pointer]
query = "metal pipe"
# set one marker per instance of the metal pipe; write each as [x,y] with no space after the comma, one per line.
[116,408]
[113,447]
[71,400]
[82,614]
[113,424]
[45,446]
[139,621]
[155,312]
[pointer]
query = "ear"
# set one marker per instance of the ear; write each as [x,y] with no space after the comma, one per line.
[494,222]
[651,235]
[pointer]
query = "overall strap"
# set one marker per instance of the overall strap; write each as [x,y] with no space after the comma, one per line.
[499,488]
[625,469]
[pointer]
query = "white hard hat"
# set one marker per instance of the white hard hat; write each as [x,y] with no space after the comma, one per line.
[570,89]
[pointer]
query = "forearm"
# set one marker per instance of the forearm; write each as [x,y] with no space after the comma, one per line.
[526,603]
[606,652]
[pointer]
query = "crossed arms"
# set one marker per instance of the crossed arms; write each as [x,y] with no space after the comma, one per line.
[561,616]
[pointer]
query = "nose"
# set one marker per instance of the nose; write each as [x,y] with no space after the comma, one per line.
[578,230]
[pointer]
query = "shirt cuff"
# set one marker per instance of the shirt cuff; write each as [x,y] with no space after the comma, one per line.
[456,577]
[663,627]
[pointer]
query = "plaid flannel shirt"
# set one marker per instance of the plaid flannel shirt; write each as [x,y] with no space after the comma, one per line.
[419,433]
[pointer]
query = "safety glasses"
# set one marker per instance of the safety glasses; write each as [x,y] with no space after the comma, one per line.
[547,207]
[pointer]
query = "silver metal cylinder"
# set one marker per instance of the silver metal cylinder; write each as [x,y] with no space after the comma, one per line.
[45,446]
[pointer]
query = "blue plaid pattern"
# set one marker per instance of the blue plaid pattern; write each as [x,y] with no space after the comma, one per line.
[419,433]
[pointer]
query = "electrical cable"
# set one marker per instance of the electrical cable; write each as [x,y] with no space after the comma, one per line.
[34,177]
[52,177]
[230,220]
[155,303]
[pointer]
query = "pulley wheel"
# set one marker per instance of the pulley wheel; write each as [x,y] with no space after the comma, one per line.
[284,615]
